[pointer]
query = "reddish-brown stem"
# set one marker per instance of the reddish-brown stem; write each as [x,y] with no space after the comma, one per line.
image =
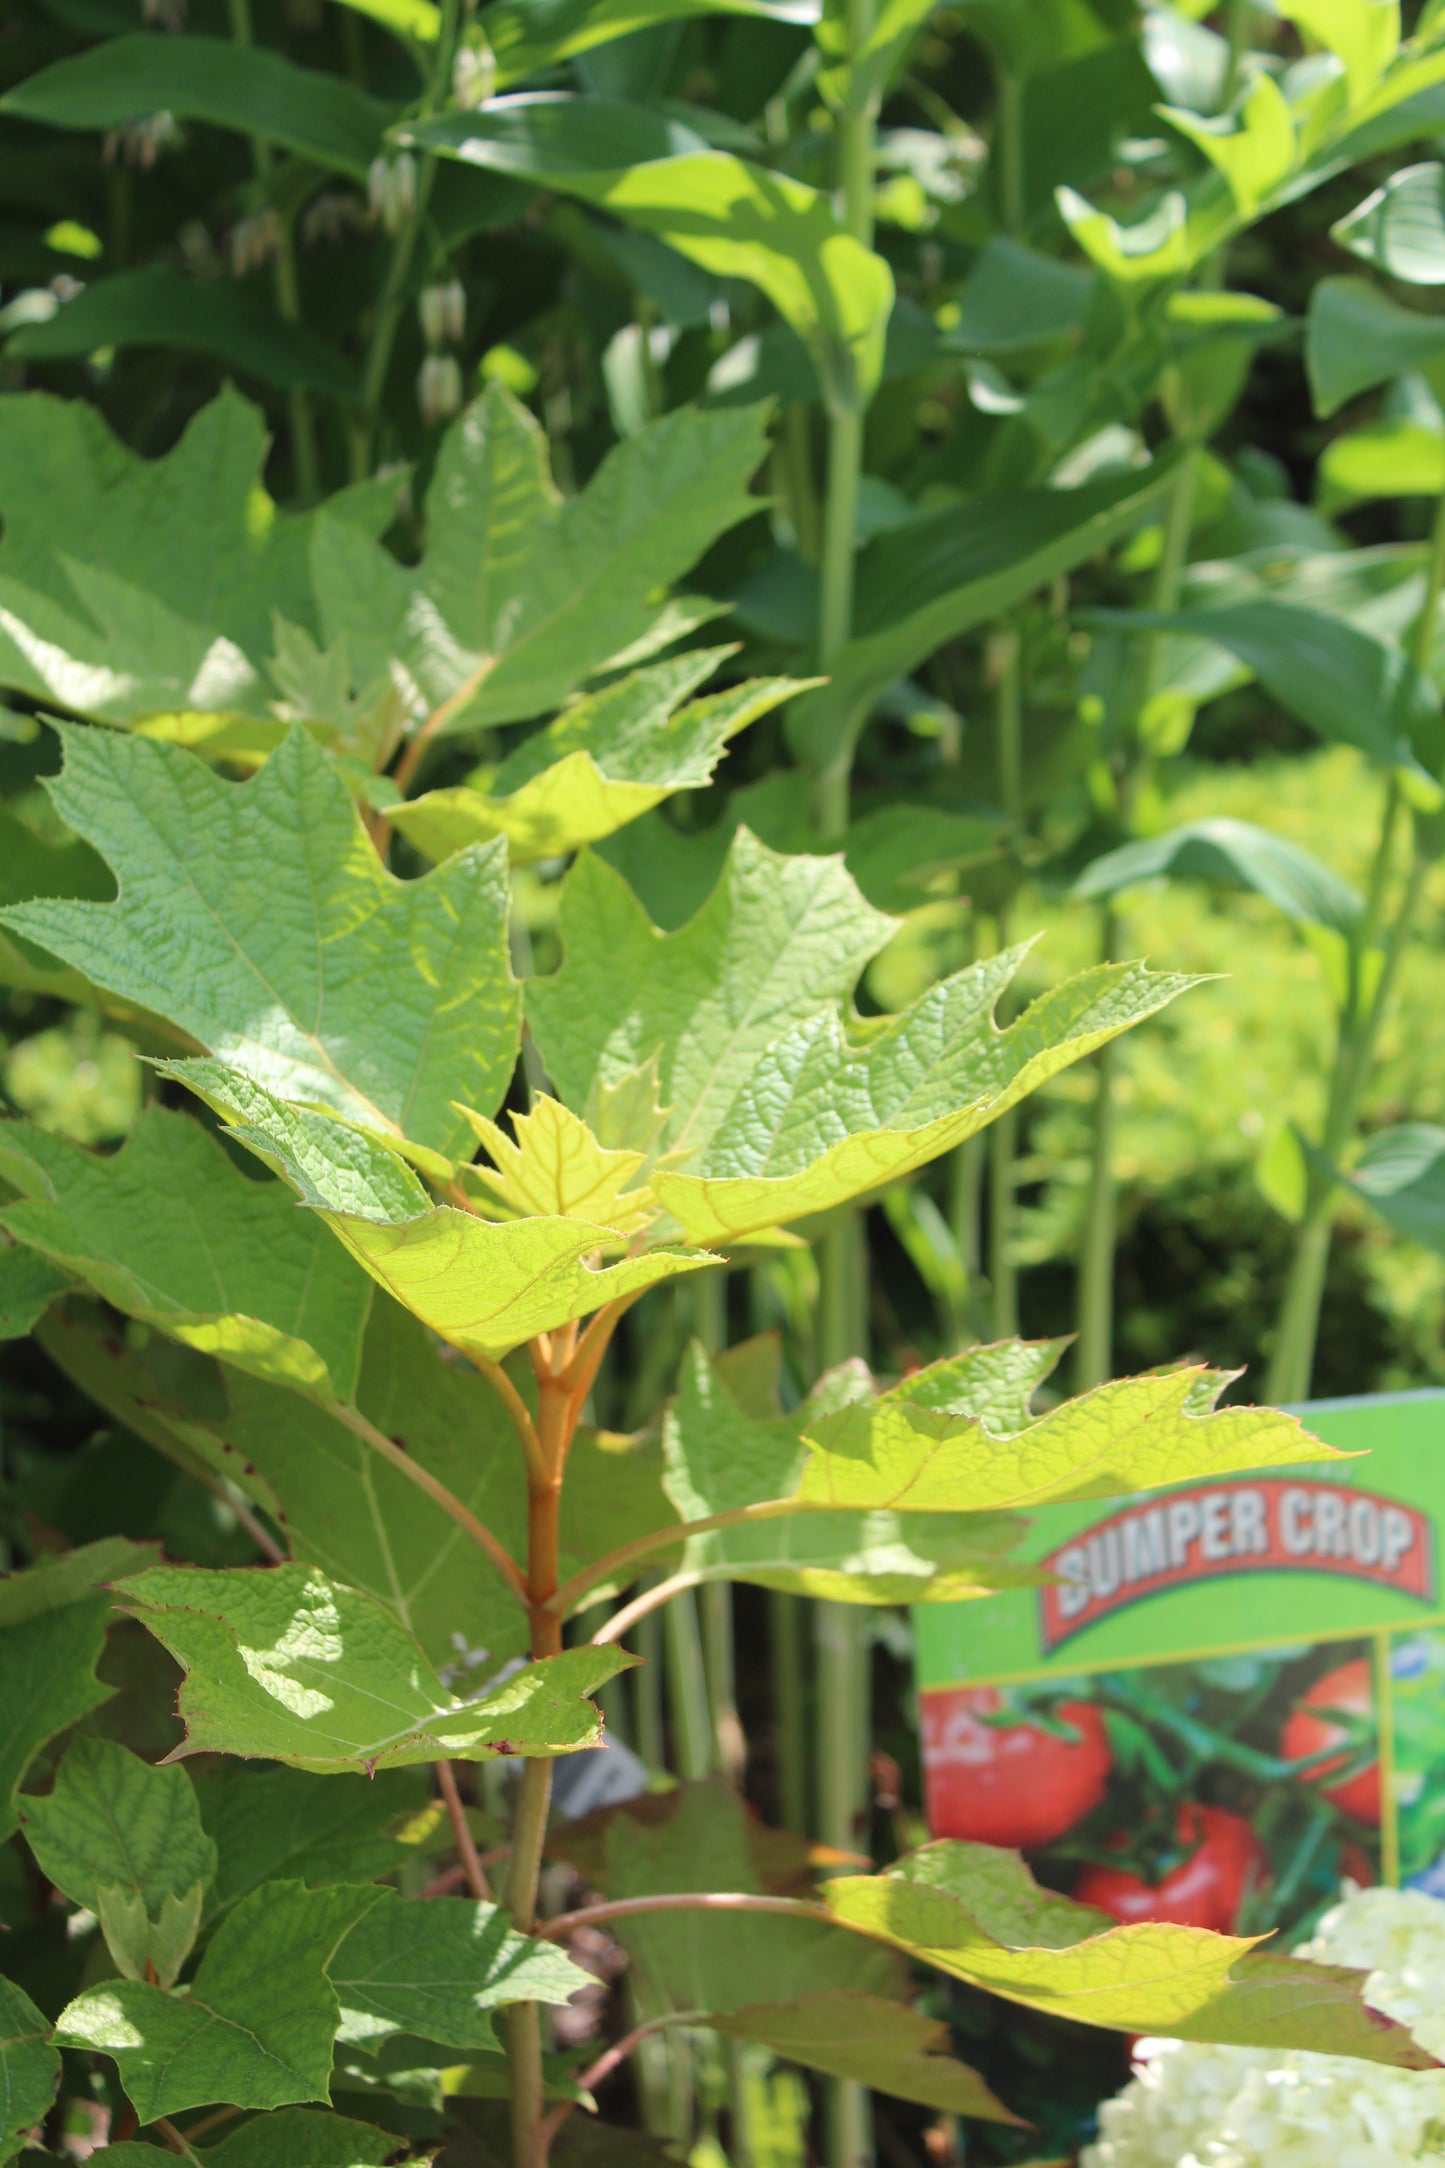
[623,1621]
[467,1852]
[629,1555]
[174,2139]
[622,1908]
[455,1878]
[608,2061]
[209,2122]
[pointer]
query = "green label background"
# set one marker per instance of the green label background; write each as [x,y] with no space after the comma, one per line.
[997,1638]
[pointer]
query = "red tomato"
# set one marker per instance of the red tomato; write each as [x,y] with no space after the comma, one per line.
[1205,1890]
[1013,1784]
[1351,1690]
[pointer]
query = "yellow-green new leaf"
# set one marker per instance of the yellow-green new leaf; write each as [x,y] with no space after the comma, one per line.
[282,1662]
[923,1448]
[977,1913]
[606,760]
[257,919]
[170,1230]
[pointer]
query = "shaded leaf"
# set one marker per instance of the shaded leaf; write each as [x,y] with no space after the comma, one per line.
[287,2138]
[1401,1175]
[255,2029]
[281,1662]
[528,37]
[271,1823]
[172,1231]
[29,2068]
[1357,337]
[1232,854]
[976,1912]
[160,306]
[257,918]
[437,1967]
[113,1821]
[883,2045]
[721,1961]
[320,116]
[735,219]
[29,1284]
[925,584]
[1337,678]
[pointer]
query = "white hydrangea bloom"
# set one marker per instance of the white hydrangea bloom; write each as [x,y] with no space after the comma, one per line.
[1203,2107]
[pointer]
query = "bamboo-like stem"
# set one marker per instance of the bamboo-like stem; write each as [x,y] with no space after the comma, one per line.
[647,1679]
[403,248]
[789,1708]
[1094,1350]
[715,1603]
[1291,1367]
[288,296]
[467,1853]
[691,1732]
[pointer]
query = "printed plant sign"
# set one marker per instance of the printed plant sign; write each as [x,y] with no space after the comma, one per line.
[1226,1699]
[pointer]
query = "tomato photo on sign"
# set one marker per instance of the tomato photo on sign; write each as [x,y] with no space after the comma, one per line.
[1023,1783]
[1223,1861]
[1349,1692]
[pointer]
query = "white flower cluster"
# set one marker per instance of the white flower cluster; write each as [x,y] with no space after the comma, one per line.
[1209,2107]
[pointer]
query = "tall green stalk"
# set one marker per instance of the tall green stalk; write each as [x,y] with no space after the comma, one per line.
[1094,1347]
[288,297]
[844,1716]
[1291,1369]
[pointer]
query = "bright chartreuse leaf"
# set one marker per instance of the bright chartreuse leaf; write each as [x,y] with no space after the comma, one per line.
[1357,337]
[883,2045]
[531,37]
[1339,679]
[53,1618]
[721,1456]
[271,1823]
[941,1441]
[1400,229]
[1231,854]
[735,219]
[257,918]
[1253,147]
[29,2068]
[172,1231]
[29,1283]
[721,1961]
[437,1967]
[605,760]
[552,1164]
[1363,34]
[929,582]
[286,2138]
[113,1833]
[134,587]
[281,1662]
[976,1912]
[484,1285]
[1144,253]
[338,1502]
[522,595]
[782,1105]
[1384,459]
[255,2028]
[320,116]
